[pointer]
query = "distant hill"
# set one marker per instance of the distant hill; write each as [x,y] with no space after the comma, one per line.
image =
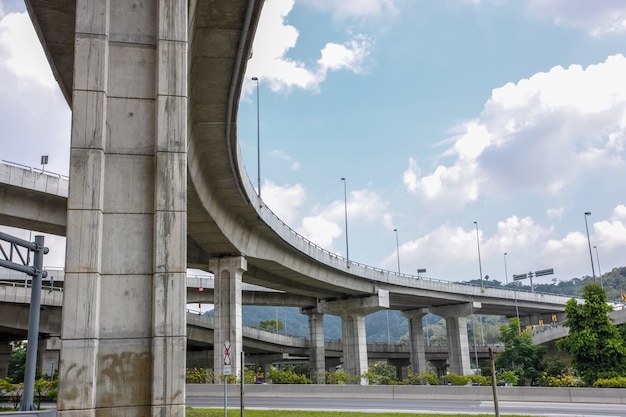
[384,326]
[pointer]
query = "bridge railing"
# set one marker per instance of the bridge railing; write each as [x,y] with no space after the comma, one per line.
[46,181]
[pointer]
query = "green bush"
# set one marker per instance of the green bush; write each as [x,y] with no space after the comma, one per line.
[616,382]
[456,379]
[198,376]
[563,381]
[479,379]
[338,377]
[287,377]
[507,376]
[425,378]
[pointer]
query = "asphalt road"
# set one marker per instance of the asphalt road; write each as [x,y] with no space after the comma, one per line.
[417,406]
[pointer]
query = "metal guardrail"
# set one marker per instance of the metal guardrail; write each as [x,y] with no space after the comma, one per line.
[34,170]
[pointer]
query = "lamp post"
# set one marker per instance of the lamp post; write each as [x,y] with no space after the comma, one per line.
[593,270]
[345,205]
[258,136]
[599,270]
[506,275]
[480,265]
[519,326]
[397,249]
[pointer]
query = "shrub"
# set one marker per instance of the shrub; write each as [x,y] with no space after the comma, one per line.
[456,379]
[479,379]
[563,381]
[616,382]
[338,377]
[198,376]
[507,376]
[287,377]
[425,378]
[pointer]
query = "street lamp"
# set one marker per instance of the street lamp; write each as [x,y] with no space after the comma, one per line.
[345,204]
[506,275]
[480,265]
[397,249]
[593,271]
[258,136]
[599,270]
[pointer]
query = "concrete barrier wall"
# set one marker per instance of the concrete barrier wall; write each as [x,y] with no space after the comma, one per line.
[420,392]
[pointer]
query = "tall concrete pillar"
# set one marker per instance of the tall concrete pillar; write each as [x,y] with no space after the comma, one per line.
[352,312]
[5,353]
[123,331]
[317,355]
[416,339]
[228,273]
[456,326]
[354,345]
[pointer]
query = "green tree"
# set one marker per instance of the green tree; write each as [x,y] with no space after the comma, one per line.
[271,325]
[17,362]
[520,354]
[595,343]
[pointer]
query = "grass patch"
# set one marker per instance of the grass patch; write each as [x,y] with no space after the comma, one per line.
[219,412]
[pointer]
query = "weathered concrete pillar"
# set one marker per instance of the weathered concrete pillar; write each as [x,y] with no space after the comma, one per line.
[354,345]
[123,331]
[48,355]
[317,357]
[5,353]
[456,326]
[402,366]
[417,348]
[228,328]
[352,312]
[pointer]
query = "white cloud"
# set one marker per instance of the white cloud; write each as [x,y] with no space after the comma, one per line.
[555,212]
[33,113]
[327,223]
[598,17]
[283,156]
[411,175]
[283,200]
[562,123]
[19,57]
[354,8]
[275,39]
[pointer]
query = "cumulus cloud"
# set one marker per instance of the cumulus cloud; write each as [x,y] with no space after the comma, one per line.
[283,200]
[564,123]
[19,57]
[274,40]
[598,17]
[32,107]
[325,224]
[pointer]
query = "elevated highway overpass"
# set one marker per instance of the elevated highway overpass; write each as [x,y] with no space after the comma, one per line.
[262,348]
[36,200]
[157,185]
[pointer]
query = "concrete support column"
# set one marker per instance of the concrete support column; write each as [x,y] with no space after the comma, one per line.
[317,357]
[48,355]
[123,330]
[354,345]
[417,347]
[228,273]
[5,353]
[352,312]
[456,326]
[401,366]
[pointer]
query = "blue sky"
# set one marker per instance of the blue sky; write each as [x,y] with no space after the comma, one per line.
[439,114]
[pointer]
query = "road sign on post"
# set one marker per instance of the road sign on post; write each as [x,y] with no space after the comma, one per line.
[227,360]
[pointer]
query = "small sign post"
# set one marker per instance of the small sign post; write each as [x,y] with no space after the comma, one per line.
[227,372]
